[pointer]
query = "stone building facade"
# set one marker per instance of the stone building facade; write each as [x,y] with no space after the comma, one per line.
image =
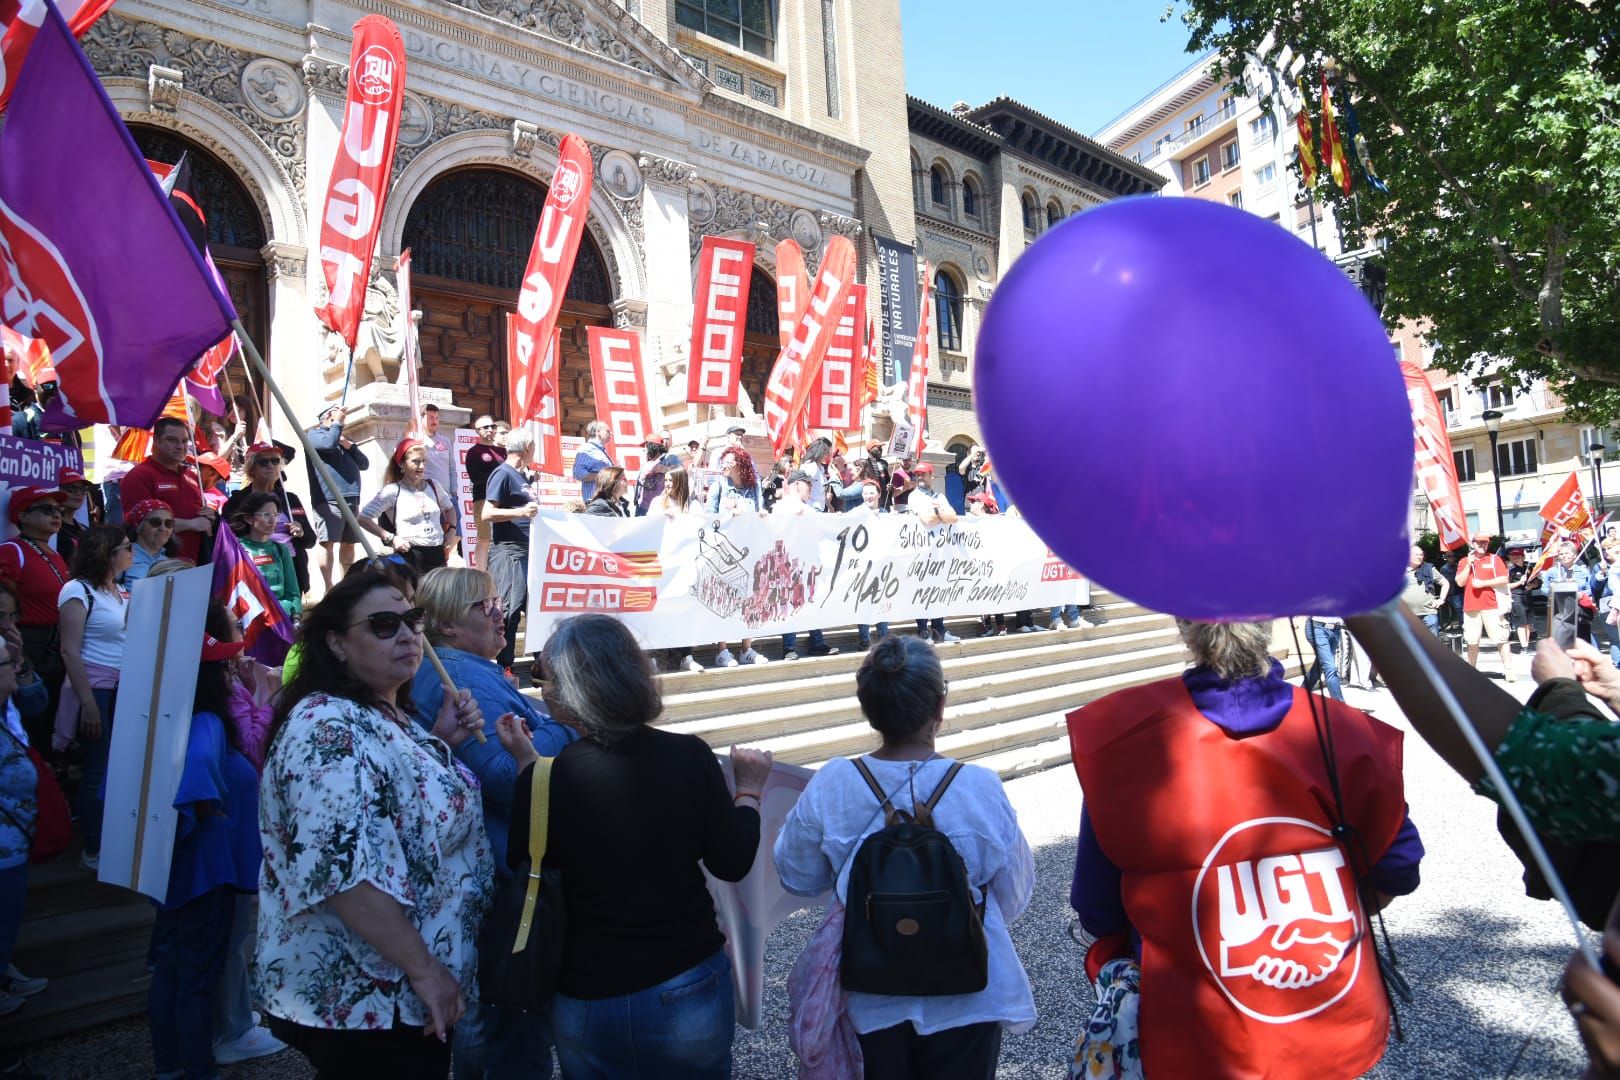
[986,183]
[749,120]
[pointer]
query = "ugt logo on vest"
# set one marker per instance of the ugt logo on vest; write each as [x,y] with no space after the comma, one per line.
[1277,919]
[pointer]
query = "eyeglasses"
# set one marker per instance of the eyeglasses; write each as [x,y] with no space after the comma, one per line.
[486,427]
[122,548]
[46,508]
[386,624]
[493,606]
[260,463]
[159,523]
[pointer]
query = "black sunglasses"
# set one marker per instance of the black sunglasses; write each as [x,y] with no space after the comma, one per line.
[386,624]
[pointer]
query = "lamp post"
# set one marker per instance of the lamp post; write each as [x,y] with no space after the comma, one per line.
[1596,450]
[1493,425]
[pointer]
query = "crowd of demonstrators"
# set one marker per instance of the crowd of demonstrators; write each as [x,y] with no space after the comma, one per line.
[902,692]
[645,986]
[377,868]
[411,514]
[508,509]
[608,498]
[167,476]
[254,523]
[345,462]
[93,609]
[262,465]
[1483,580]
[1148,763]
[465,622]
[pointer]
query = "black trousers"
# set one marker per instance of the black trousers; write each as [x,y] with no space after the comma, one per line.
[399,1053]
[962,1053]
[423,559]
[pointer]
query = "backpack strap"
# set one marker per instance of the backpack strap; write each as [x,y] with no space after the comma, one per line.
[539,823]
[925,812]
[889,811]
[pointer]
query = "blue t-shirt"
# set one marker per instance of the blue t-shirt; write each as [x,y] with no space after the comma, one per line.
[508,490]
[217,836]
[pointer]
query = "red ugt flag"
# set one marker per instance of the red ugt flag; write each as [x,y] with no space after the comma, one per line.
[242,589]
[352,213]
[93,260]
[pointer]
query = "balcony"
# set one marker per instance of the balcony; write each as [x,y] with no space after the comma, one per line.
[1202,131]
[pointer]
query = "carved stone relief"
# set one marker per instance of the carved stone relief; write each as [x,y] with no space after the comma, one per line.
[620,174]
[273,90]
[163,86]
[627,43]
[666,171]
[122,47]
[415,121]
[714,210]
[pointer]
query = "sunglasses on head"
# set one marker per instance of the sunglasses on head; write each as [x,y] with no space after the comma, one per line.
[386,624]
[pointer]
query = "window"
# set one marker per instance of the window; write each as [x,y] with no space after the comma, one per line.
[1235,199]
[948,311]
[1265,177]
[970,198]
[747,24]
[1499,396]
[1229,156]
[1516,458]
[1464,460]
[1521,519]
[1446,406]
[1194,126]
[1262,129]
[1030,213]
[1609,440]
[936,185]
[1054,214]
[1200,171]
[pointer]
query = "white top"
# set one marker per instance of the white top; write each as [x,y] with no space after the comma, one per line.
[418,515]
[104,630]
[837,811]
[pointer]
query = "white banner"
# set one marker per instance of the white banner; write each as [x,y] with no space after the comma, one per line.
[703,578]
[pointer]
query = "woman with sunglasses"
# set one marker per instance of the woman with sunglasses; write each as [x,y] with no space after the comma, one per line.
[93,610]
[465,625]
[151,528]
[377,870]
[255,524]
[293,524]
[411,514]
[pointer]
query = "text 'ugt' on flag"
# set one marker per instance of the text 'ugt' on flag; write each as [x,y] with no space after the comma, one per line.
[93,260]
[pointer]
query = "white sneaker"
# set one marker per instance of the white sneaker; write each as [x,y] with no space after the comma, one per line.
[90,862]
[948,638]
[690,663]
[754,657]
[725,659]
[21,985]
[256,1043]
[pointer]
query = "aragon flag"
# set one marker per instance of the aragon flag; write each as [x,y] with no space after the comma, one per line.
[1332,145]
[1307,137]
[93,260]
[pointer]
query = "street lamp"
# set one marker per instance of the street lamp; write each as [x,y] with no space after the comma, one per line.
[1493,425]
[1596,450]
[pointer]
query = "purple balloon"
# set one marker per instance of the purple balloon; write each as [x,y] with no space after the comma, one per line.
[1199,412]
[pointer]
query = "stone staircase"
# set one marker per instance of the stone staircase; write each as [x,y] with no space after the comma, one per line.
[1008,697]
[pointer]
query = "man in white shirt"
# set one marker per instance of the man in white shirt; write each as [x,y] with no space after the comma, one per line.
[437,447]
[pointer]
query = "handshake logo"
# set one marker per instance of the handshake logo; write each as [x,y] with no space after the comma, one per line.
[1277,919]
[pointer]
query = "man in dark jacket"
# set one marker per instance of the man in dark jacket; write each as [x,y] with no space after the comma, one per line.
[346,462]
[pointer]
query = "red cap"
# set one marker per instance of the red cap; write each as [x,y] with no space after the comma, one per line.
[263,448]
[64,477]
[215,462]
[922,468]
[215,649]
[23,498]
[405,446]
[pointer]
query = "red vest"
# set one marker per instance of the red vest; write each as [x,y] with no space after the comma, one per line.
[1256,956]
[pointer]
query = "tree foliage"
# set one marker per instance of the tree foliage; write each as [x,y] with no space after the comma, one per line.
[1496,125]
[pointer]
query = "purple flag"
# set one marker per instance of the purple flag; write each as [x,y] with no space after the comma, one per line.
[92,257]
[241,588]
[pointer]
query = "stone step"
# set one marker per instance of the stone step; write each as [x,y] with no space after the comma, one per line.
[58,944]
[85,999]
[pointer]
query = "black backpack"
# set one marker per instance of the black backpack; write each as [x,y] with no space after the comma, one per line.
[910,925]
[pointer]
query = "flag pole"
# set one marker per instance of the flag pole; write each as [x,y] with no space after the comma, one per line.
[251,351]
[343,402]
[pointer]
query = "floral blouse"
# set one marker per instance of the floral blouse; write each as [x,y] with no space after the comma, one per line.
[350,796]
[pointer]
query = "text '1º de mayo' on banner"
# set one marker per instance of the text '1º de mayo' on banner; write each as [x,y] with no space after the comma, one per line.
[703,577]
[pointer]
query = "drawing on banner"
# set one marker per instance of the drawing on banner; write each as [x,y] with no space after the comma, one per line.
[722,580]
[782,585]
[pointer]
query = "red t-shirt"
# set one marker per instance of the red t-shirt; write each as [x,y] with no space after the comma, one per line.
[178,488]
[40,574]
[1483,598]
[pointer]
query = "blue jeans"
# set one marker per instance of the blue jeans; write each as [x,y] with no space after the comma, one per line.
[818,640]
[864,632]
[233,1002]
[681,1027]
[491,1043]
[1069,613]
[1326,640]
[13,897]
[924,626]
[188,954]
[93,784]
[1432,621]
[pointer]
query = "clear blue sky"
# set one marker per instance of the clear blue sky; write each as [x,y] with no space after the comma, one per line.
[1081,62]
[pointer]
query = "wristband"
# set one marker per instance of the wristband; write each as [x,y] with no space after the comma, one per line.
[746,795]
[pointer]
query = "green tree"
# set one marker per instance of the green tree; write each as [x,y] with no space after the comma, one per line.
[1495,125]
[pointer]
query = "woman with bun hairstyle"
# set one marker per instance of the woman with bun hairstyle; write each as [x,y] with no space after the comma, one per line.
[901,687]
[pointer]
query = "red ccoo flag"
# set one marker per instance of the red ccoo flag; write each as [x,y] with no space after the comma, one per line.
[787,392]
[719,320]
[352,213]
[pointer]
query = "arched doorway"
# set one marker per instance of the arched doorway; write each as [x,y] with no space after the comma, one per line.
[762,339]
[236,234]
[470,232]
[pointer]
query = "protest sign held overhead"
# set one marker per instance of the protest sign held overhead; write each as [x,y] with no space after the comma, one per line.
[365,161]
[93,261]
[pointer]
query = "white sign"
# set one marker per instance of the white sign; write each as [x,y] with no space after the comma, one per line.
[716,578]
[151,726]
[466,510]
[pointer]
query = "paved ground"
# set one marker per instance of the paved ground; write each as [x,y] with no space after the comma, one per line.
[1483,959]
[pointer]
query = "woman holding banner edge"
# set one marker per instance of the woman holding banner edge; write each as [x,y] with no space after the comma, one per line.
[735,492]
